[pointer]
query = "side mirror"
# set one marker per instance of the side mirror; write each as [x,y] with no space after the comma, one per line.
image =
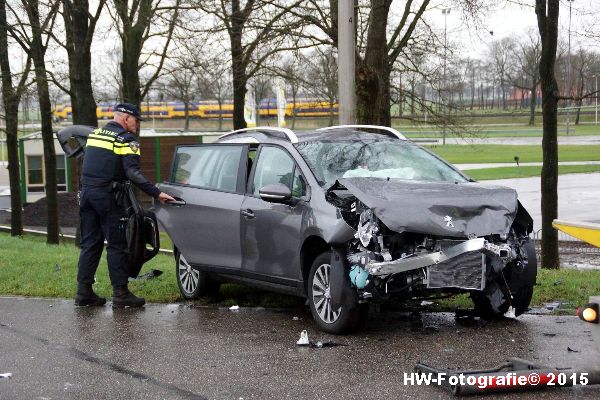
[275,193]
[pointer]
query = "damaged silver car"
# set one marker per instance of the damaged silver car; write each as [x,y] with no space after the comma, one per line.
[346,216]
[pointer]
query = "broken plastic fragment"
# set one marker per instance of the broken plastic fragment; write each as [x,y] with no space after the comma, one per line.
[510,313]
[359,277]
[234,308]
[303,341]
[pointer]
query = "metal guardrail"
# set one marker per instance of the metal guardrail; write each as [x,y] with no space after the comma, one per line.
[567,244]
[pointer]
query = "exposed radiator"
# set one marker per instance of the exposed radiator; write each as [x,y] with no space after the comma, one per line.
[467,271]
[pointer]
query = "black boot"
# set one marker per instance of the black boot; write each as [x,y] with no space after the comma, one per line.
[86,296]
[122,298]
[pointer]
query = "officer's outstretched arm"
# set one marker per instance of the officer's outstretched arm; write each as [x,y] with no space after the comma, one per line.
[131,165]
[139,180]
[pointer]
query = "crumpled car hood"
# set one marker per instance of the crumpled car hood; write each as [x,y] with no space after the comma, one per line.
[426,207]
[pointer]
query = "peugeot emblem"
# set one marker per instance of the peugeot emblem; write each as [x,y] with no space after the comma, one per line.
[448,221]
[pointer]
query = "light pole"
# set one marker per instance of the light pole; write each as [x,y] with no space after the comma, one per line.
[445,11]
[346,66]
[569,91]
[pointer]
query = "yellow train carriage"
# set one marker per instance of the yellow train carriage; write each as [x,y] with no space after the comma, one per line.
[211,109]
[62,112]
[311,108]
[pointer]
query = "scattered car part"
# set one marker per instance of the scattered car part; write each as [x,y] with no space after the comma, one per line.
[303,341]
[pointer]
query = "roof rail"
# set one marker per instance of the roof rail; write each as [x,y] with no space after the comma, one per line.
[381,128]
[265,129]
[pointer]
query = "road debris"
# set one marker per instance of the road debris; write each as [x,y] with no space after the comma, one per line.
[148,275]
[303,341]
[329,343]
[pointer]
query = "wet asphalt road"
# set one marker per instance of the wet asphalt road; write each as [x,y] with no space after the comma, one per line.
[56,351]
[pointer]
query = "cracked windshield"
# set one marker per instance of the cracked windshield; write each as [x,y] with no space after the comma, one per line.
[332,160]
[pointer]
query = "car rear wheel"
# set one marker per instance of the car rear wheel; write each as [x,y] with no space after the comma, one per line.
[192,282]
[337,321]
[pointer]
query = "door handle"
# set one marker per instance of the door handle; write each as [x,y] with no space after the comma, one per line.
[177,202]
[248,213]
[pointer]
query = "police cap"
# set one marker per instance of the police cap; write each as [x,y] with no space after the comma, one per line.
[130,109]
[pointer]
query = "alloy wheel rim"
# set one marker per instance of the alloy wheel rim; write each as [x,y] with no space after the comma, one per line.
[321,295]
[188,277]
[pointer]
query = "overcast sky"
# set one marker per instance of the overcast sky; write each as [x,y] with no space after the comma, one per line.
[517,18]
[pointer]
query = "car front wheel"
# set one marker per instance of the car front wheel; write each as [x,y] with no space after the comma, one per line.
[337,321]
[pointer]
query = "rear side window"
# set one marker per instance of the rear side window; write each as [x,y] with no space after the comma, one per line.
[211,167]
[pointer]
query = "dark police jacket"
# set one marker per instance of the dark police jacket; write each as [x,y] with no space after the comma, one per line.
[113,154]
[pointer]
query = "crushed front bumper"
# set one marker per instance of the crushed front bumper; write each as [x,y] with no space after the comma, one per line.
[504,251]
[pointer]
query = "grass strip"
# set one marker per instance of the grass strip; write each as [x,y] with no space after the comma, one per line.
[30,267]
[498,153]
[525,172]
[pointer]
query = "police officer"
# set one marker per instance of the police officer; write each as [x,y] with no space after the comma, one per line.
[112,155]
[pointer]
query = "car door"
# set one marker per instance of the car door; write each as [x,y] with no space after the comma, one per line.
[210,182]
[271,232]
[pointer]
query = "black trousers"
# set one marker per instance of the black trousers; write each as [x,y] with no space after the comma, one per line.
[102,218]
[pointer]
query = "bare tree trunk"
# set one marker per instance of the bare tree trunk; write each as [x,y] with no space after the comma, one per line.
[79,33]
[41,78]
[11,96]
[548,28]
[579,101]
[186,113]
[136,18]
[331,102]
[373,73]
[220,114]
[532,104]
[239,76]
[129,67]
[472,87]
[294,94]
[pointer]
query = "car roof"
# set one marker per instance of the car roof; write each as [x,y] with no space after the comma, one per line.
[335,133]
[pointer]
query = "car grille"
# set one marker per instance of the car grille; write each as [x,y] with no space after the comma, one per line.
[467,271]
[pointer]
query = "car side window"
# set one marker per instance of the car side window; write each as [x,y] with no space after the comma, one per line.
[211,167]
[274,165]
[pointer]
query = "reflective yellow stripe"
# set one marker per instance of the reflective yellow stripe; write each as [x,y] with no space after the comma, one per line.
[124,150]
[99,143]
[101,137]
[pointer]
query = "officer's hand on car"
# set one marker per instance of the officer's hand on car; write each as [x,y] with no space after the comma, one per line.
[163,198]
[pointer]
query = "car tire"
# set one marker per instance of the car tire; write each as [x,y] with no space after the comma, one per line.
[192,282]
[520,283]
[341,321]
